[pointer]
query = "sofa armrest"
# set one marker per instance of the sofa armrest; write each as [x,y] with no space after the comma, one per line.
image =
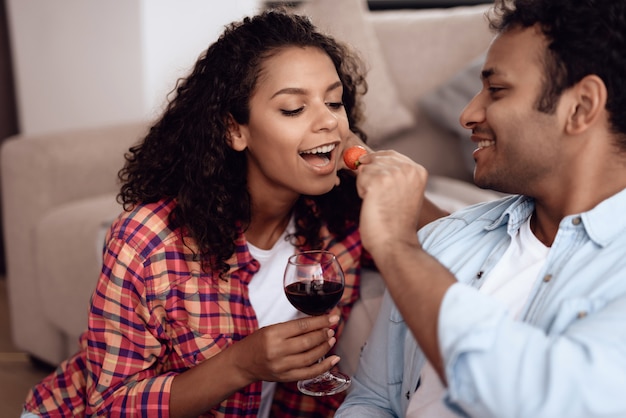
[40,173]
[46,170]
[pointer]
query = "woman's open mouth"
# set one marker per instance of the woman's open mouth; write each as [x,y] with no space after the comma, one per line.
[319,156]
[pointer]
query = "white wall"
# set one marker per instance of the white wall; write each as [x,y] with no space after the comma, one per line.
[174,34]
[82,63]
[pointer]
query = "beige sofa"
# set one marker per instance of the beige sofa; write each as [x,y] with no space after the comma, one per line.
[59,189]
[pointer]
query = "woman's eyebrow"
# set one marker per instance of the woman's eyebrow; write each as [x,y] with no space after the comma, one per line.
[334,86]
[289,90]
[301,91]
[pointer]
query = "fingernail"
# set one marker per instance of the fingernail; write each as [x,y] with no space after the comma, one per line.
[333,319]
[332,341]
[331,333]
[335,360]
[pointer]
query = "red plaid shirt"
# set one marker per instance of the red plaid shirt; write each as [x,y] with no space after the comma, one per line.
[154,314]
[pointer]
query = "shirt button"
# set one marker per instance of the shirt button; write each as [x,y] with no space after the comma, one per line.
[547,278]
[576,220]
[582,314]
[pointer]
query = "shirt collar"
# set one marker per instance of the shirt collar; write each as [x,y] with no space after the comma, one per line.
[241,258]
[518,210]
[605,222]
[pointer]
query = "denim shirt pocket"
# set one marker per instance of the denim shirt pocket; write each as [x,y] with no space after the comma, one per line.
[572,310]
[405,360]
[398,353]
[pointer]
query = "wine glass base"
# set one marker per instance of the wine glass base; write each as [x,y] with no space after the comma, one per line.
[328,383]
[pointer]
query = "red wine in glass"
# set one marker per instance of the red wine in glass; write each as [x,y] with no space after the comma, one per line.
[314,298]
[314,283]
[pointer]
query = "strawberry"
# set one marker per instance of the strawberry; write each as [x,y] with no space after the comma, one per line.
[351,156]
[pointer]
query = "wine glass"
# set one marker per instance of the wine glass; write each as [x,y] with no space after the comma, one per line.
[314,283]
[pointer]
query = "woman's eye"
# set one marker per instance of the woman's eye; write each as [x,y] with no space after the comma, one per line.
[293,112]
[335,105]
[494,90]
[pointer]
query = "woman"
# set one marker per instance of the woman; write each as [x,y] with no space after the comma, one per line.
[189,316]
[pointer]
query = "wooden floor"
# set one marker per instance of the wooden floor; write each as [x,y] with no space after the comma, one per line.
[17,372]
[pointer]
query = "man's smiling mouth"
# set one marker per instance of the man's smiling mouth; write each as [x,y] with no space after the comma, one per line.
[318,156]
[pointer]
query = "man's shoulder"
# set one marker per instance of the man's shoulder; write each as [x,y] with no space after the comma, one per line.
[473,220]
[486,212]
[471,232]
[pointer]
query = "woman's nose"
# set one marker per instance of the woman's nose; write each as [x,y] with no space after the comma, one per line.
[325,119]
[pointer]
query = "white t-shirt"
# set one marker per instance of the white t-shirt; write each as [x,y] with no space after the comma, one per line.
[510,282]
[268,299]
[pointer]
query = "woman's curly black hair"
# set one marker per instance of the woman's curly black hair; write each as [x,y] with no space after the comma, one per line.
[186,155]
[584,37]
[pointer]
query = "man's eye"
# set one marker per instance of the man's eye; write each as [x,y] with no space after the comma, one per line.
[494,90]
[293,112]
[335,105]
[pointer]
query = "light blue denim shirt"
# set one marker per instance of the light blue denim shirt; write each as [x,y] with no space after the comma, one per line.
[565,358]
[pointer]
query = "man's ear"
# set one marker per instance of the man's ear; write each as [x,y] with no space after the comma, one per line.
[237,134]
[589,105]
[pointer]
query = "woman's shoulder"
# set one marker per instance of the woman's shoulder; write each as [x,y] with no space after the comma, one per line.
[145,226]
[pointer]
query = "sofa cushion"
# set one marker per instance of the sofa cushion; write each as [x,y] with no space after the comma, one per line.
[433,147]
[362,318]
[385,114]
[445,104]
[424,48]
[452,194]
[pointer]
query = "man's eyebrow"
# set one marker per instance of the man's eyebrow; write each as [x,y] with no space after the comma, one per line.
[486,73]
[297,90]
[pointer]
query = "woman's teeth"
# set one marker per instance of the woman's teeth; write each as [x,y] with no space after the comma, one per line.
[485,144]
[324,149]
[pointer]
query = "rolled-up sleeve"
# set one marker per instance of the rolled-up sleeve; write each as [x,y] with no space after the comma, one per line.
[498,367]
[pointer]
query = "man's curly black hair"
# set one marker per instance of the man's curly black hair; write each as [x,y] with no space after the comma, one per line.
[584,37]
[186,155]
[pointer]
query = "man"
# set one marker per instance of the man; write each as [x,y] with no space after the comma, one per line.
[513,308]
